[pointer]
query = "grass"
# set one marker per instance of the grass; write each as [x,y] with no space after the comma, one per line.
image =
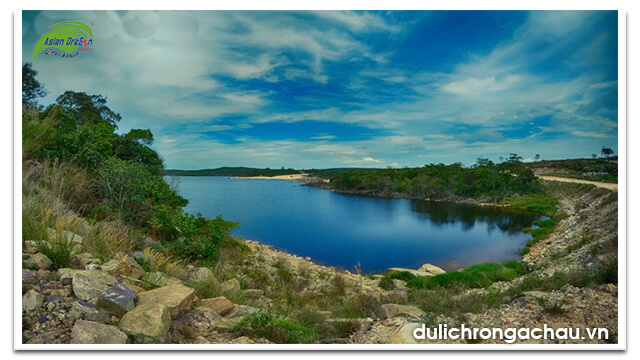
[386,282]
[476,276]
[278,330]
[59,250]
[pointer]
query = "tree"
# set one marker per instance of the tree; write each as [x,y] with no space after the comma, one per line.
[482,162]
[31,88]
[514,158]
[593,156]
[88,109]
[537,157]
[606,152]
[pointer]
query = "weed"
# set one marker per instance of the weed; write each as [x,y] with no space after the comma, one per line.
[29,265]
[552,307]
[59,250]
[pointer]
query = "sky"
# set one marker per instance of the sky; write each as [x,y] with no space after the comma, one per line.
[323,89]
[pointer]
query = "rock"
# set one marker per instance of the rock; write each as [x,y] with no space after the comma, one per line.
[127,266]
[174,296]
[41,261]
[394,296]
[255,293]
[147,322]
[392,310]
[226,323]
[159,279]
[432,269]
[84,310]
[29,277]
[89,285]
[610,288]
[111,267]
[84,259]
[32,300]
[68,235]
[533,296]
[399,285]
[201,340]
[118,299]
[103,277]
[89,332]
[221,305]
[93,267]
[200,274]
[230,286]
[242,311]
[414,272]
[404,334]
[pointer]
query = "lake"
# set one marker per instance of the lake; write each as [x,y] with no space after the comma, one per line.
[346,230]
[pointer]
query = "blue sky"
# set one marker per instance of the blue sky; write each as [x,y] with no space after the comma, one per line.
[347,88]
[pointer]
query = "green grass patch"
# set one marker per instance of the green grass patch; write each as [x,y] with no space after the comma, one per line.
[275,329]
[476,276]
[386,282]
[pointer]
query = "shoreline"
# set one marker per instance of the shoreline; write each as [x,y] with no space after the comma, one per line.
[277,177]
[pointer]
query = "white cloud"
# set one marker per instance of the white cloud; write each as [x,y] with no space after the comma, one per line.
[370,160]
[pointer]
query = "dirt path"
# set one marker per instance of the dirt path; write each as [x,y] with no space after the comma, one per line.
[609,186]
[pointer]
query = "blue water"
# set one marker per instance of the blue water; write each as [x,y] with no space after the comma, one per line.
[344,230]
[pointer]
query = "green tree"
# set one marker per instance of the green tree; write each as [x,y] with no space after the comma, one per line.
[606,152]
[88,109]
[31,88]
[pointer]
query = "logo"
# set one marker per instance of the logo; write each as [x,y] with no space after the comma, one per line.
[64,37]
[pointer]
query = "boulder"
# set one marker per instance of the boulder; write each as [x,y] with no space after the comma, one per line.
[103,277]
[41,261]
[225,323]
[243,310]
[29,277]
[174,296]
[392,310]
[32,300]
[431,269]
[147,322]
[85,259]
[129,267]
[200,274]
[87,287]
[89,332]
[111,267]
[230,286]
[118,299]
[84,310]
[221,305]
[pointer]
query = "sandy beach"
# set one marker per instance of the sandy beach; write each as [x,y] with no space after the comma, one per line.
[279,177]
